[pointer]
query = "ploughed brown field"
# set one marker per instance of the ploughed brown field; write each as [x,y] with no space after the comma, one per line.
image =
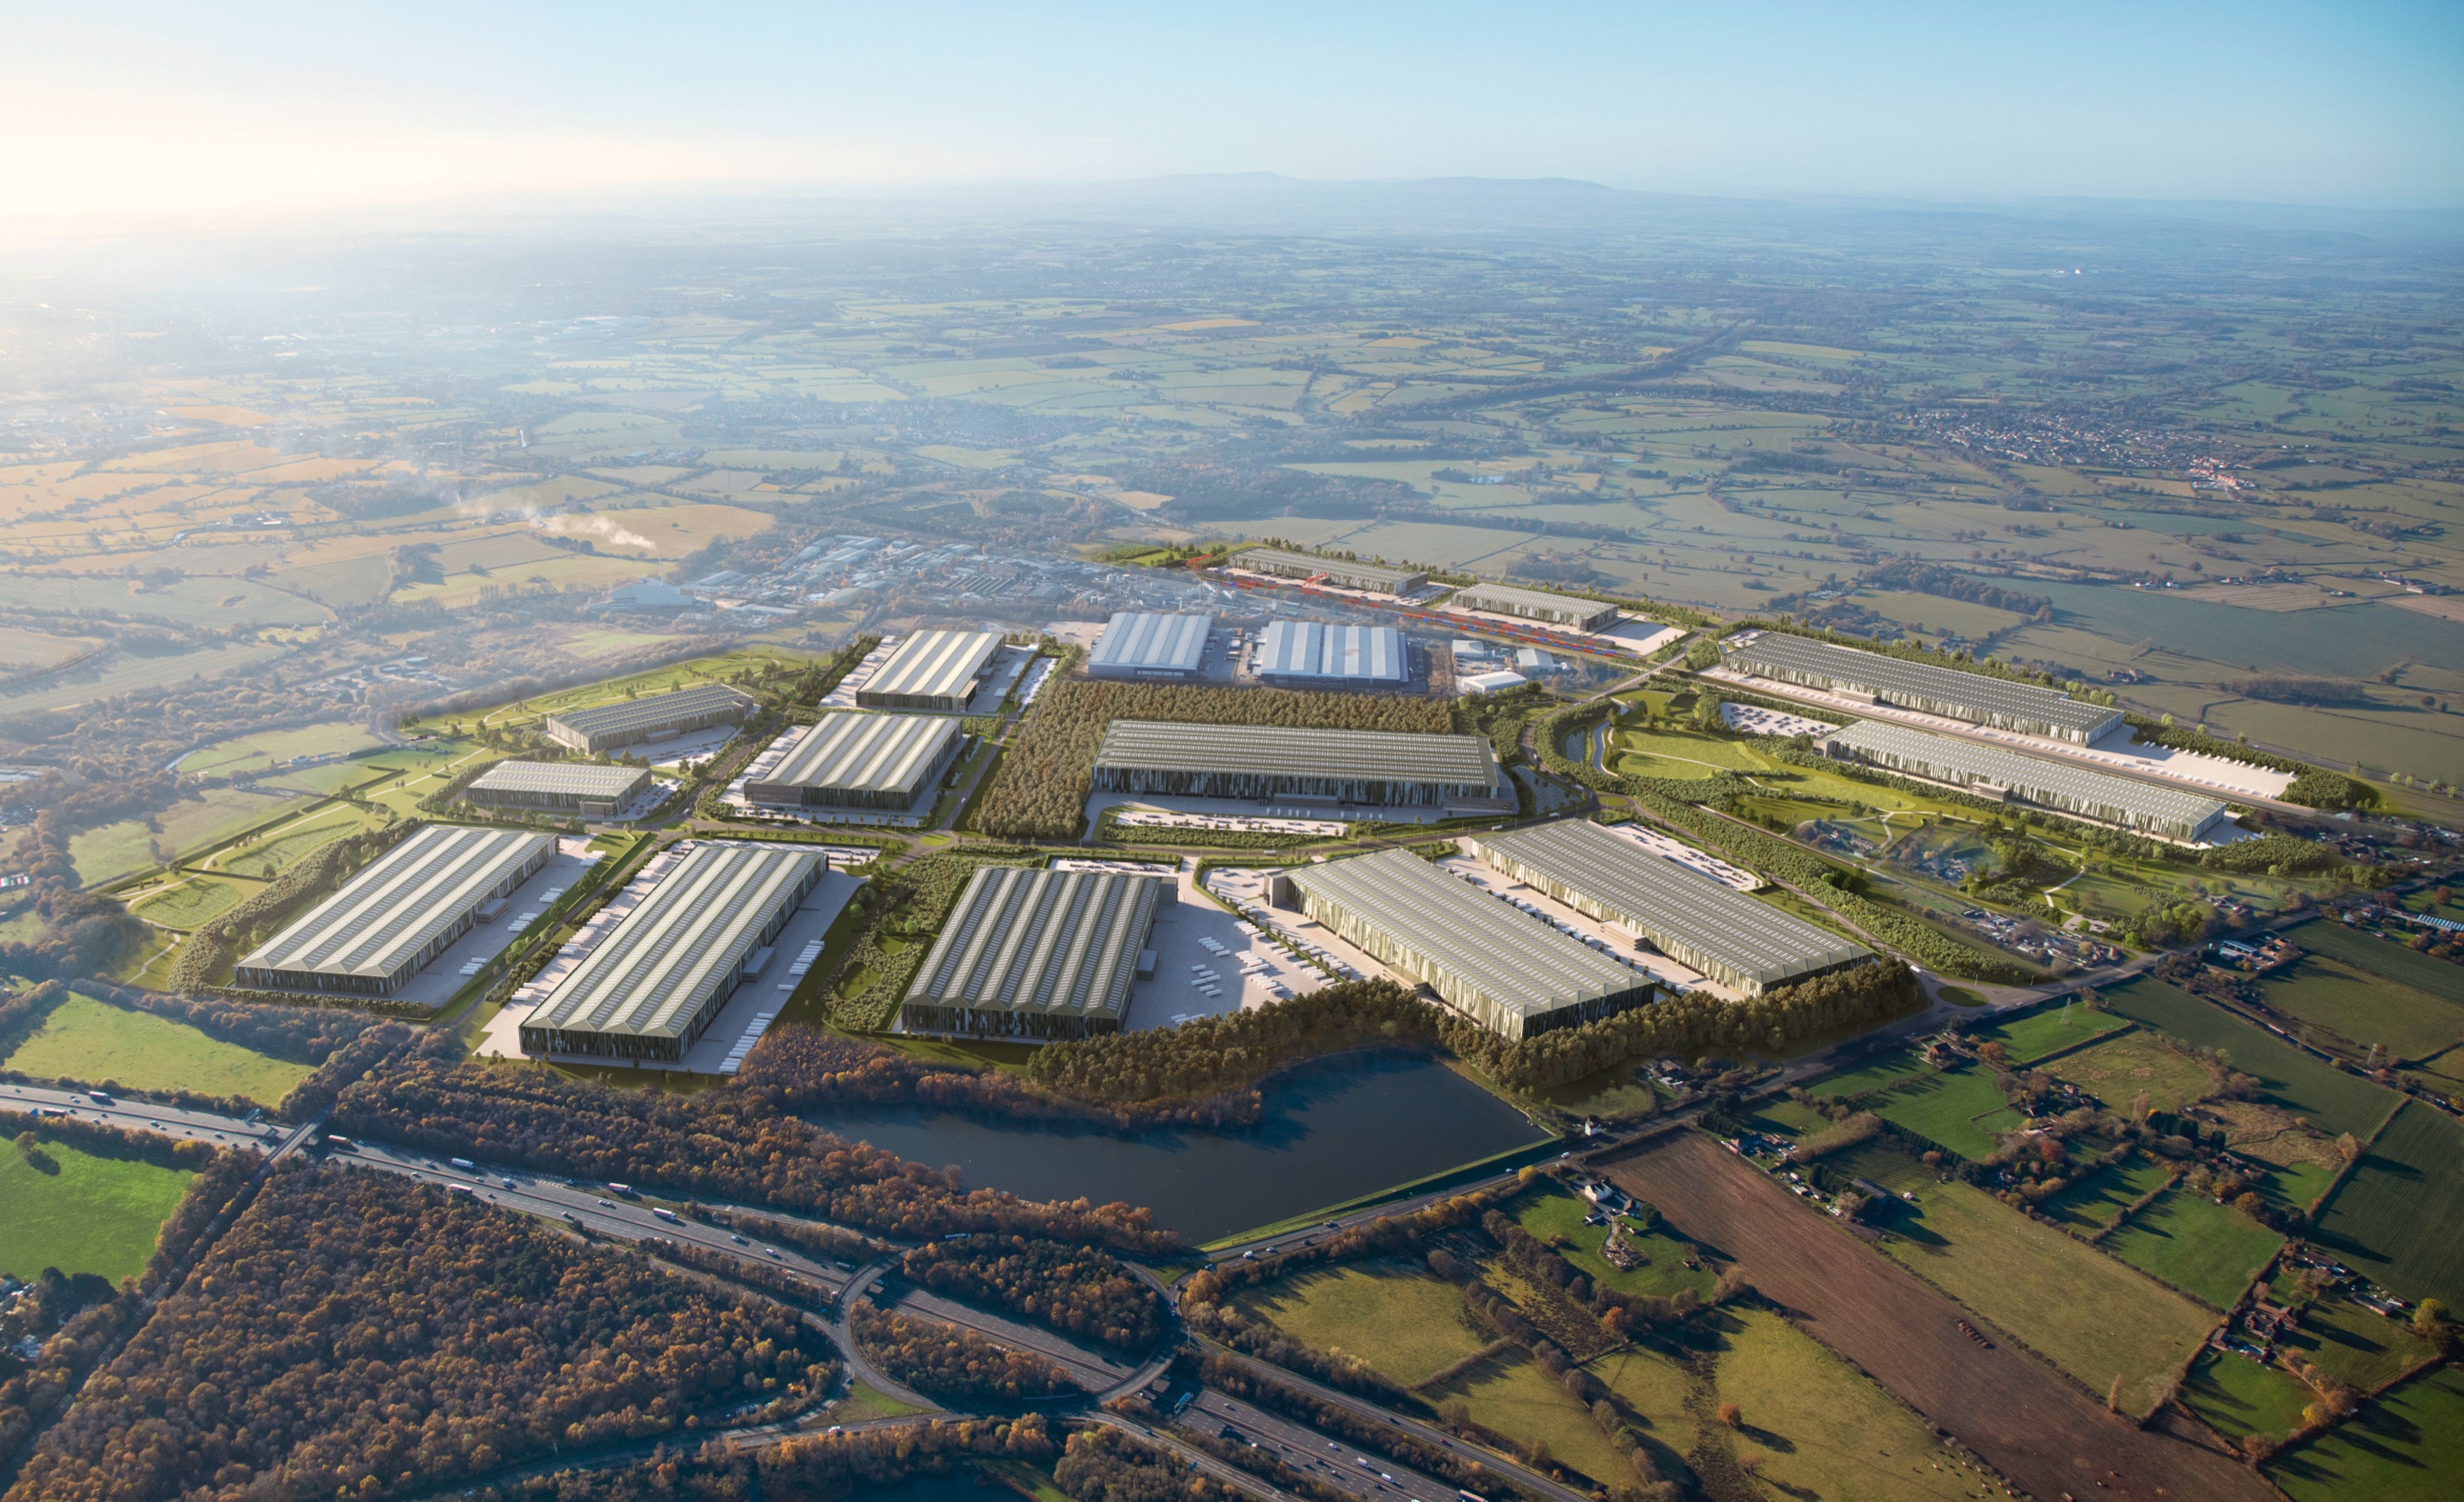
[2029,1421]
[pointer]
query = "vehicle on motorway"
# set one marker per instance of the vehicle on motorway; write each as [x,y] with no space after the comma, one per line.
[100,1097]
[463,1164]
[340,1144]
[608,1204]
[666,1215]
[459,1188]
[772,1252]
[576,1219]
[509,1183]
[739,1240]
[621,1191]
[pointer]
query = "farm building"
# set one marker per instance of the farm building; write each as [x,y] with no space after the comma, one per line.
[1037,956]
[861,761]
[371,937]
[1510,972]
[588,789]
[937,671]
[650,987]
[1262,761]
[1374,578]
[611,726]
[1535,604]
[1994,771]
[1687,916]
[1310,654]
[1138,644]
[1946,691]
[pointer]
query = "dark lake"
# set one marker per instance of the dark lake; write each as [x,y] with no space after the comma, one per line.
[1334,1130]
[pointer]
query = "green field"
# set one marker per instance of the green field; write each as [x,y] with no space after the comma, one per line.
[2120,1070]
[1961,1109]
[1512,1396]
[268,747]
[2407,1446]
[2394,1217]
[2206,1249]
[2366,951]
[2237,1396]
[94,1215]
[2332,1100]
[1683,755]
[1552,1215]
[2095,1201]
[1874,1074]
[1406,1324]
[2028,1037]
[189,903]
[116,850]
[86,1039]
[1816,1428]
[2366,1009]
[2359,1347]
[283,848]
[2087,1313]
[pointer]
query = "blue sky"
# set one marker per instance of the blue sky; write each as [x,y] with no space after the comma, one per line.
[188,108]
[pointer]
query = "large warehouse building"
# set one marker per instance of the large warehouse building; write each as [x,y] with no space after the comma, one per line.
[1694,920]
[1535,604]
[2065,789]
[590,789]
[1037,956]
[611,727]
[1310,654]
[1372,767]
[371,937]
[1946,691]
[1137,644]
[884,763]
[1374,579]
[1511,973]
[936,671]
[650,987]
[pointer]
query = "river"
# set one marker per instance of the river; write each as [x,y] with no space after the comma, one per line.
[1334,1130]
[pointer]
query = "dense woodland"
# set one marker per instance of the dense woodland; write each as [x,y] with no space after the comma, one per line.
[1229,1052]
[807,1468]
[1108,1465]
[729,1144]
[1040,787]
[947,1362]
[353,1334]
[1076,1289]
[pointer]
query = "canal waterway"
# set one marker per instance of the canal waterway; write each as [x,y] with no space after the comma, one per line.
[1333,1130]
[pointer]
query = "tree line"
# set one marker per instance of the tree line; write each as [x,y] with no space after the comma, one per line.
[1039,790]
[725,1144]
[805,1467]
[354,1334]
[1076,1289]
[948,1363]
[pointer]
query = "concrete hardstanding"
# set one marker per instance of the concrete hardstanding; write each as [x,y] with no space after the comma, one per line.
[1310,654]
[1372,577]
[1137,645]
[608,727]
[1689,917]
[1036,955]
[868,761]
[1262,761]
[1535,604]
[1504,969]
[931,670]
[650,987]
[571,787]
[2051,784]
[2027,708]
[372,936]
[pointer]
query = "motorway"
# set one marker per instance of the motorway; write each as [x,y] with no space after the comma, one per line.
[1361,1473]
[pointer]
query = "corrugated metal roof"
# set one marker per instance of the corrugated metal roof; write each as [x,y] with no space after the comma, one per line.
[2096,795]
[653,973]
[1519,963]
[1505,600]
[1713,928]
[1968,696]
[634,714]
[583,779]
[1339,571]
[1134,640]
[1061,943]
[388,912]
[1315,650]
[1276,750]
[870,752]
[934,664]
